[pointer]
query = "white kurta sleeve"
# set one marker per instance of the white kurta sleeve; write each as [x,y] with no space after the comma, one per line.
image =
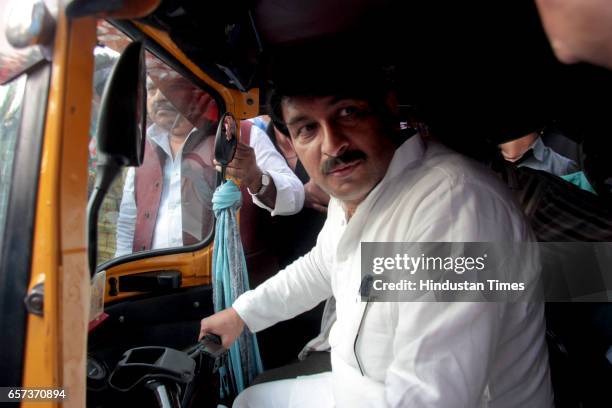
[126,223]
[289,189]
[294,290]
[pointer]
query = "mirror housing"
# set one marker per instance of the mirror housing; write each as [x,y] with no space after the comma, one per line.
[122,120]
[226,140]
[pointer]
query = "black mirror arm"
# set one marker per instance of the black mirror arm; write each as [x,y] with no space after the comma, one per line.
[106,173]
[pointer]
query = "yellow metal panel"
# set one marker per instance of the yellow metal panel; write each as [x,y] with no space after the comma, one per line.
[241,105]
[55,354]
[56,344]
[195,268]
[75,276]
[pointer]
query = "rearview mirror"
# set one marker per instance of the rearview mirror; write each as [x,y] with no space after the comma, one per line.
[122,120]
[226,140]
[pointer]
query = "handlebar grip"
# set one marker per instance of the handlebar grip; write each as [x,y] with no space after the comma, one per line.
[211,346]
[213,338]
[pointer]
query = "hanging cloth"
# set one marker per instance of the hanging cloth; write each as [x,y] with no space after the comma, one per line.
[230,280]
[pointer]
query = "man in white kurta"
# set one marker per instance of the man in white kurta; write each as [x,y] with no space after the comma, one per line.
[411,354]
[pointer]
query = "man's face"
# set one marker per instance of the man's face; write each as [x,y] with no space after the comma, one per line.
[515,149]
[344,146]
[164,114]
[579,30]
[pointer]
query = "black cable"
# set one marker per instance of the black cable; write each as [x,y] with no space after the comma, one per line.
[364,291]
[367,306]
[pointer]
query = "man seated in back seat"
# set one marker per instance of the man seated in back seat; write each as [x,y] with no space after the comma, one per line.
[300,229]
[299,233]
[530,151]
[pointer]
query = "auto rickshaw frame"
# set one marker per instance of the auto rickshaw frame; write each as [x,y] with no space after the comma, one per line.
[55,342]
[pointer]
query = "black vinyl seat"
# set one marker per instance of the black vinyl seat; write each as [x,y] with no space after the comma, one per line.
[579,335]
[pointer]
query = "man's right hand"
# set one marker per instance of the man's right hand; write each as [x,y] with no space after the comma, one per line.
[226,324]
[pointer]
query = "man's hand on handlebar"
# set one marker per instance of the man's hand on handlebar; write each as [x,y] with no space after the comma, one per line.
[227,324]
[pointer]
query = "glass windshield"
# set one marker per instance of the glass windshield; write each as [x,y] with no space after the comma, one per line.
[167,201]
[11,102]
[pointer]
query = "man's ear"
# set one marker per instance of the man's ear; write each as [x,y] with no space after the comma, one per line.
[392,117]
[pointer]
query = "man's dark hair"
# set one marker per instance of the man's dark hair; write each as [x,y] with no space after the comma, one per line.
[332,69]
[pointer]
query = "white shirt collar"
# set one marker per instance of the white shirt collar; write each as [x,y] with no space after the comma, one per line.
[159,136]
[406,156]
[539,150]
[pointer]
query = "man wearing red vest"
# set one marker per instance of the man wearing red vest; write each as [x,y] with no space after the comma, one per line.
[167,201]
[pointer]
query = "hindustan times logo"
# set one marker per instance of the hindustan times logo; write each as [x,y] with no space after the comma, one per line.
[411,264]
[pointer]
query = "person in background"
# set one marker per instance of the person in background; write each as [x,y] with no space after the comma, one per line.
[530,151]
[299,233]
[315,198]
[167,200]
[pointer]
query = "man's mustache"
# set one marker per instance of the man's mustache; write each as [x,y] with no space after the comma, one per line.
[345,158]
[163,106]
